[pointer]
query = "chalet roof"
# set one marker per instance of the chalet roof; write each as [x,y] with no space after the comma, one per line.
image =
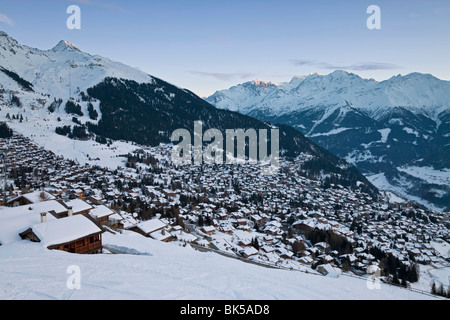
[150,226]
[60,231]
[160,235]
[208,228]
[101,211]
[44,206]
[249,251]
[78,205]
[328,270]
[34,197]
[13,222]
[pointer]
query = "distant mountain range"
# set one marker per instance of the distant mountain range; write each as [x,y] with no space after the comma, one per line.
[397,132]
[64,91]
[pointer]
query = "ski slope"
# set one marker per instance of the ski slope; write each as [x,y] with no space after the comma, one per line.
[149,269]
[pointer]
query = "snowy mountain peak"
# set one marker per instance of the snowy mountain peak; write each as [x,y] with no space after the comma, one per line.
[65,45]
[61,71]
[263,83]
[6,40]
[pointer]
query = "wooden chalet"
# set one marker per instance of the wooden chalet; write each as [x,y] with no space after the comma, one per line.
[75,234]
[101,214]
[29,198]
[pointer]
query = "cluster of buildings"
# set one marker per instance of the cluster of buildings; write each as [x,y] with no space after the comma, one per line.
[232,209]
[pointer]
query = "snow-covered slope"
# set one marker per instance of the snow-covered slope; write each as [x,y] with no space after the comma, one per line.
[161,271]
[62,70]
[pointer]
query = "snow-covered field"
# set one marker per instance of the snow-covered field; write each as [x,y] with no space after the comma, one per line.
[429,174]
[395,192]
[149,269]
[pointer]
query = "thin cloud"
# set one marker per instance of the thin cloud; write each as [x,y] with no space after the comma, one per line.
[299,62]
[364,66]
[5,19]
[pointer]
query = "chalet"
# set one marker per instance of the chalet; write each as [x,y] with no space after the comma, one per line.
[322,246]
[244,243]
[257,219]
[184,236]
[114,220]
[306,260]
[208,229]
[147,227]
[162,235]
[226,229]
[326,259]
[248,252]
[267,249]
[74,234]
[101,214]
[29,198]
[283,253]
[302,226]
[328,270]
[95,200]
[221,214]
[79,206]
[268,239]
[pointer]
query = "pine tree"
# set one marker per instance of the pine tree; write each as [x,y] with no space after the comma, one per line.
[200,221]
[433,288]
[440,290]
[255,243]
[395,279]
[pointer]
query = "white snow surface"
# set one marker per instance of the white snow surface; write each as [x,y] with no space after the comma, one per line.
[441,177]
[397,193]
[384,134]
[151,269]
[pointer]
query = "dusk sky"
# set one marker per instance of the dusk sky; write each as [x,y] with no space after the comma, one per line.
[207,46]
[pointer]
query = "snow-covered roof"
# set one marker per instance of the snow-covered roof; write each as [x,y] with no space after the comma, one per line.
[100,211]
[329,270]
[35,197]
[249,251]
[208,228]
[65,230]
[78,205]
[151,225]
[45,206]
[160,235]
[13,222]
[184,236]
